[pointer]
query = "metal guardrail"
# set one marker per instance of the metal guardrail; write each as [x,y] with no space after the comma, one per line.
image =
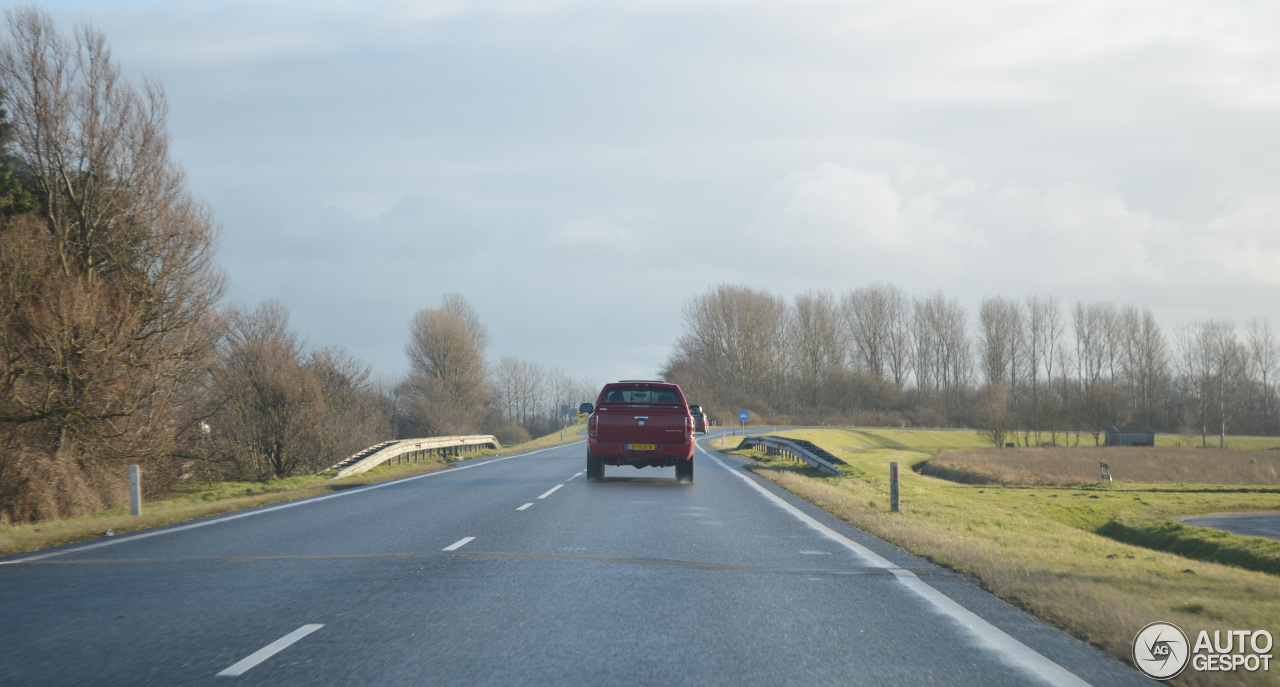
[807,451]
[389,451]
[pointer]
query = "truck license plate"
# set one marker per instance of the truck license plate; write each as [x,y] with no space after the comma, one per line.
[640,447]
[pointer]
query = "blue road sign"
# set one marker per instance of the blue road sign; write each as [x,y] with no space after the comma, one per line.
[742,415]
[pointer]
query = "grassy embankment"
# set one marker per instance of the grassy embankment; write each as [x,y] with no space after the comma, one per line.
[202,499]
[1039,547]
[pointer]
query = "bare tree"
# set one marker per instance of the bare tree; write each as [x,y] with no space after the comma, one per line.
[447,388]
[1052,359]
[865,317]
[457,305]
[733,347]
[1111,328]
[943,355]
[1002,343]
[1191,362]
[422,409]
[560,389]
[1228,362]
[271,408]
[280,410]
[925,347]
[1036,341]
[991,413]
[109,319]
[357,412]
[897,335]
[1091,324]
[815,344]
[519,388]
[877,319]
[585,391]
[995,327]
[1107,407]
[1143,354]
[1264,355]
[1004,351]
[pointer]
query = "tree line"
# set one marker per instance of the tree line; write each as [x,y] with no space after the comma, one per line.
[115,348]
[1034,370]
[277,408]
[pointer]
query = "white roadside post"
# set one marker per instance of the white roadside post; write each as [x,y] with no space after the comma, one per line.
[893,487]
[135,491]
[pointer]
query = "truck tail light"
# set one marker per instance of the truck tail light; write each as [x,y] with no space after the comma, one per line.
[593,425]
[688,427]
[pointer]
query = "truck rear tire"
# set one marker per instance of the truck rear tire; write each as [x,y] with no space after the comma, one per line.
[684,472]
[595,469]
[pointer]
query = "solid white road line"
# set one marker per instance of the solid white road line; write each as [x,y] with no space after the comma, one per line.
[551,491]
[986,634]
[291,504]
[458,544]
[524,506]
[268,651]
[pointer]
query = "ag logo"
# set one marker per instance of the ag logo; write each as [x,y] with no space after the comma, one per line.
[1161,650]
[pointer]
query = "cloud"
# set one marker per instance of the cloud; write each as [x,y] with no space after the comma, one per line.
[834,207]
[361,205]
[956,230]
[364,158]
[1240,247]
[579,232]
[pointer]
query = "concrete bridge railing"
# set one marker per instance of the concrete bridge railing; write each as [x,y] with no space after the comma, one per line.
[404,450]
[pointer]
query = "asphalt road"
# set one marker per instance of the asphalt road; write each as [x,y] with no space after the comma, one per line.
[1251,524]
[515,571]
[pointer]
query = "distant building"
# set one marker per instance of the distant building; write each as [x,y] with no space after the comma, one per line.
[1131,436]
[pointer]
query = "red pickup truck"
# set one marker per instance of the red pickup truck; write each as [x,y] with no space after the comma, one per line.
[642,424]
[700,419]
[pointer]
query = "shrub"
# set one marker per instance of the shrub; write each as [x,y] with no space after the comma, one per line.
[512,435]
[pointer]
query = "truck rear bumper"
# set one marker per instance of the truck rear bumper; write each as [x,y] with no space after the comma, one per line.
[664,455]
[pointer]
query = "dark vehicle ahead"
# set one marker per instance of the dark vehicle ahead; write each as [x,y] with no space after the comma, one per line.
[642,424]
[700,419]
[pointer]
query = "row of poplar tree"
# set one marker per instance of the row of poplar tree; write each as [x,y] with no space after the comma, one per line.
[1036,369]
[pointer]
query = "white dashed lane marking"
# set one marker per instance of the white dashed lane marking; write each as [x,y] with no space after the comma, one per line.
[524,506]
[458,544]
[551,491]
[268,651]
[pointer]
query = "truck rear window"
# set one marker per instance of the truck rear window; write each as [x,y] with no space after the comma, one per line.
[639,394]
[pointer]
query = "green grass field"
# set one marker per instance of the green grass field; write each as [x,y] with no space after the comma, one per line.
[1097,560]
[1193,441]
[201,499]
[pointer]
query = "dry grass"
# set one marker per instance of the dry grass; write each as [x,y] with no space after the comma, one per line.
[1135,465]
[558,438]
[204,500]
[215,499]
[1036,547]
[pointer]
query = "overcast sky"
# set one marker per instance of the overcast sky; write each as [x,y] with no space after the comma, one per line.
[579,169]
